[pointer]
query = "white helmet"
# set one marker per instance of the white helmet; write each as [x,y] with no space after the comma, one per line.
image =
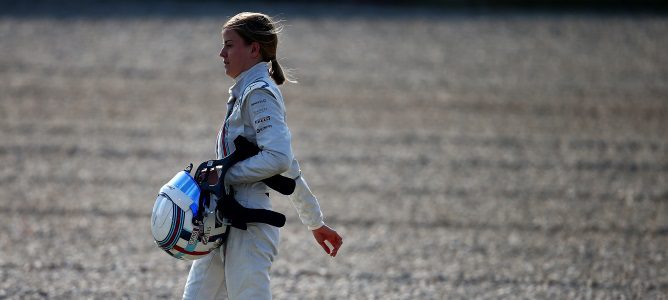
[172,220]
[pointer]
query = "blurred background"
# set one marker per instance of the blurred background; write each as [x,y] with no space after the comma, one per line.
[464,149]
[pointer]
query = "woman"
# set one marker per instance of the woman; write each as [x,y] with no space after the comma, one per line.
[255,110]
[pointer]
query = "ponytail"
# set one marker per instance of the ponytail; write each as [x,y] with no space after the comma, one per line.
[276,72]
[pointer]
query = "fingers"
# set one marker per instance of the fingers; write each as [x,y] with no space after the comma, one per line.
[336,244]
[324,246]
[335,249]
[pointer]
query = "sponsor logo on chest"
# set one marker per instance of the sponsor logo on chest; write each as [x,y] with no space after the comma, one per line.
[263,119]
[261,129]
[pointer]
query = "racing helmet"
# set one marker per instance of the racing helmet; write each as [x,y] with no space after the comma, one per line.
[172,224]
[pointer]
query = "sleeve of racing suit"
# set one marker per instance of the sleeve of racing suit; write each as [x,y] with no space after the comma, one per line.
[266,116]
[303,199]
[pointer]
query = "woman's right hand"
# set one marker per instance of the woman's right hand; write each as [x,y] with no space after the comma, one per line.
[324,233]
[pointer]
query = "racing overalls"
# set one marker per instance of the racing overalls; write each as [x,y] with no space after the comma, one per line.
[240,268]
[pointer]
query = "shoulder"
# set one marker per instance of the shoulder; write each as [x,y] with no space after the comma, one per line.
[260,97]
[260,90]
[254,86]
[263,101]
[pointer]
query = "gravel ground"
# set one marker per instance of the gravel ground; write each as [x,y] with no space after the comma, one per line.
[461,154]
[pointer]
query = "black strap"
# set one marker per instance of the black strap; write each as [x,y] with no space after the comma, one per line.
[281,184]
[244,149]
[229,207]
[240,216]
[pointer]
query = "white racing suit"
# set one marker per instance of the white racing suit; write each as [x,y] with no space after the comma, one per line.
[240,268]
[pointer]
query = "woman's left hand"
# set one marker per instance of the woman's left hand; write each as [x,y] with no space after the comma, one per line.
[325,233]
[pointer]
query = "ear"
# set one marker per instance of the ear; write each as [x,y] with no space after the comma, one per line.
[255,50]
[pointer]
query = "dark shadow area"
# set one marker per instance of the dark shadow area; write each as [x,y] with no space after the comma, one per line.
[317,9]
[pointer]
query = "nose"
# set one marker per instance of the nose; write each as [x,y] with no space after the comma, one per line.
[222,53]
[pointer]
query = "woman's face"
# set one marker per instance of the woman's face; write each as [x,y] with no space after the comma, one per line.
[237,55]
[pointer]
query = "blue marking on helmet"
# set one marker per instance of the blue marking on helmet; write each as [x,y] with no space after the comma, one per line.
[184,182]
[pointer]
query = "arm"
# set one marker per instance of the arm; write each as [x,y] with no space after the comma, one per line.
[310,214]
[303,200]
[266,116]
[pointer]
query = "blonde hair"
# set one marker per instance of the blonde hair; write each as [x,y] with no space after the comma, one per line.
[260,28]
